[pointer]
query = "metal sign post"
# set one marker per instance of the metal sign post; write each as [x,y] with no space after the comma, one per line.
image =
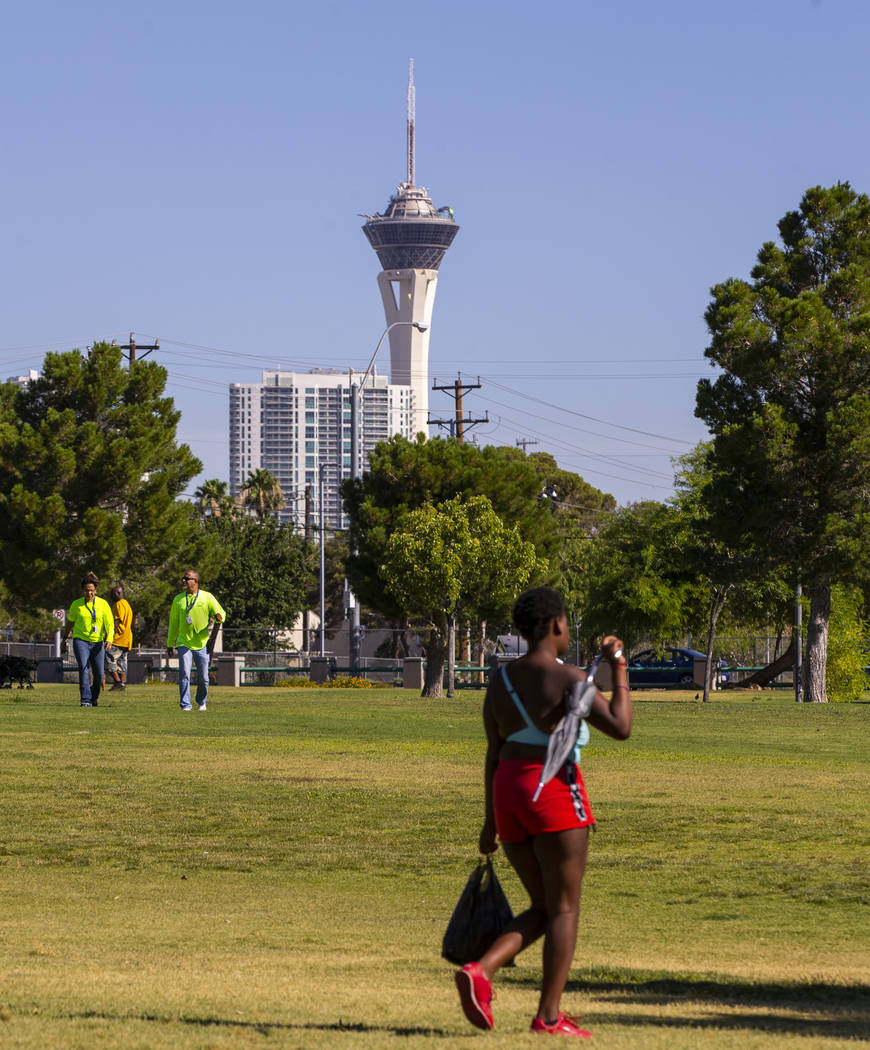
[58,614]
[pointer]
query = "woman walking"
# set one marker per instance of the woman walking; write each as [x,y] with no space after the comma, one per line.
[545,840]
[92,624]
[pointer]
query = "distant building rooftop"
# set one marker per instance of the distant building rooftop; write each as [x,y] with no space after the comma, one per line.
[24,381]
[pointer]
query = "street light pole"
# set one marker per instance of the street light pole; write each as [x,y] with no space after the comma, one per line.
[322,523]
[798,669]
[355,392]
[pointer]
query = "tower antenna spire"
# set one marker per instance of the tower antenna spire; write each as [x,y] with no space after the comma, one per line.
[412,105]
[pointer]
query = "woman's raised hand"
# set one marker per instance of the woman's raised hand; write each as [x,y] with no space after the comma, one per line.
[613,649]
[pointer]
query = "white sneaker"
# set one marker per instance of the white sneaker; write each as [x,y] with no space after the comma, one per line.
[200,707]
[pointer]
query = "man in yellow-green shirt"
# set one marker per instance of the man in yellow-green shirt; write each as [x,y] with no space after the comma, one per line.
[188,631]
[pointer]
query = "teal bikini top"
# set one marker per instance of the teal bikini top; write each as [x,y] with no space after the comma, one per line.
[531,734]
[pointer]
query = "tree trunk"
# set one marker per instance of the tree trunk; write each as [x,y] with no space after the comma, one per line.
[718,597]
[465,644]
[436,653]
[451,655]
[480,646]
[817,643]
[767,674]
[399,643]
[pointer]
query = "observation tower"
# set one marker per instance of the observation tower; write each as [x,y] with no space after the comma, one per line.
[410,238]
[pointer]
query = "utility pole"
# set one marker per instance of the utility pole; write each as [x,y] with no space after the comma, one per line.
[132,347]
[523,443]
[457,425]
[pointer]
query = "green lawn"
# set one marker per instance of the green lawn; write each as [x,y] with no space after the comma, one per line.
[278,872]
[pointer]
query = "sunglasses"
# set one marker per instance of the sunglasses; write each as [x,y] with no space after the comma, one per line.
[185,579]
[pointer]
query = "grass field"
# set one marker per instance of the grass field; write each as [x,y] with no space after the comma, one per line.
[278,872]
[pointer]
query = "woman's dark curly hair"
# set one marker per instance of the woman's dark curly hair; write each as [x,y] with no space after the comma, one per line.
[91,577]
[535,609]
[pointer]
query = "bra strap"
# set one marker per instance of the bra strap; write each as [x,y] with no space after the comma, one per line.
[512,693]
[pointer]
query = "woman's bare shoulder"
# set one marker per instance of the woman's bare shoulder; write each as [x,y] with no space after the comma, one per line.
[570,673]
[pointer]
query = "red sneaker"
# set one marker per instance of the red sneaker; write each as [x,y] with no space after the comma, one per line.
[475,994]
[563,1025]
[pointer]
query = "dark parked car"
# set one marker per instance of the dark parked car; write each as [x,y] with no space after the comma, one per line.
[663,667]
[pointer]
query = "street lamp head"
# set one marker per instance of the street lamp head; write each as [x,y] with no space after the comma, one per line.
[420,327]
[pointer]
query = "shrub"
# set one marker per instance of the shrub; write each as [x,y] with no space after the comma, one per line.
[846,679]
[339,682]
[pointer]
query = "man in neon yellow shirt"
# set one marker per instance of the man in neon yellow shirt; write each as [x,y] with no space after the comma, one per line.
[188,630]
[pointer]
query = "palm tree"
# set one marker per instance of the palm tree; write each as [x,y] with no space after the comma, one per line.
[213,497]
[262,493]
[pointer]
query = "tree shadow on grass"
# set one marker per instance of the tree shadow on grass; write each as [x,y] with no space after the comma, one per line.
[791,1007]
[265,1027]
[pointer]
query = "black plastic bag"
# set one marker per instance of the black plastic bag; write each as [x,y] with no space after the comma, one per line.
[478,918]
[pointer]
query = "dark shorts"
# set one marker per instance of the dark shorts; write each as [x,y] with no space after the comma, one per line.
[562,804]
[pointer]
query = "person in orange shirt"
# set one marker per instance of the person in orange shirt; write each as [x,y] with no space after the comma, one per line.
[116,653]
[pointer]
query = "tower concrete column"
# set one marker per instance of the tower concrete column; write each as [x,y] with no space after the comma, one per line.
[408,297]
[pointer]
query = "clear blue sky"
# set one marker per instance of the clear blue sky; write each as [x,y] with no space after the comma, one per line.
[194,171]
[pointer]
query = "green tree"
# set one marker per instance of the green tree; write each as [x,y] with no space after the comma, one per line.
[458,560]
[790,414]
[26,622]
[213,499]
[262,493]
[578,511]
[90,478]
[635,584]
[262,583]
[406,475]
[577,507]
[721,573]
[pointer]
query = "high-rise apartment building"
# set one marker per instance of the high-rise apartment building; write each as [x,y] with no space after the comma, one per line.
[292,422]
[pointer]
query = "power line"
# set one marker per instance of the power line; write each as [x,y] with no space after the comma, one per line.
[583,415]
[593,433]
[512,425]
[579,449]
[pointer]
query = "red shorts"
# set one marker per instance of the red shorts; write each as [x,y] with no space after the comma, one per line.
[560,806]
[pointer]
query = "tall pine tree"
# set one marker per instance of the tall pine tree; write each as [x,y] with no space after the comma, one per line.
[790,414]
[90,478]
